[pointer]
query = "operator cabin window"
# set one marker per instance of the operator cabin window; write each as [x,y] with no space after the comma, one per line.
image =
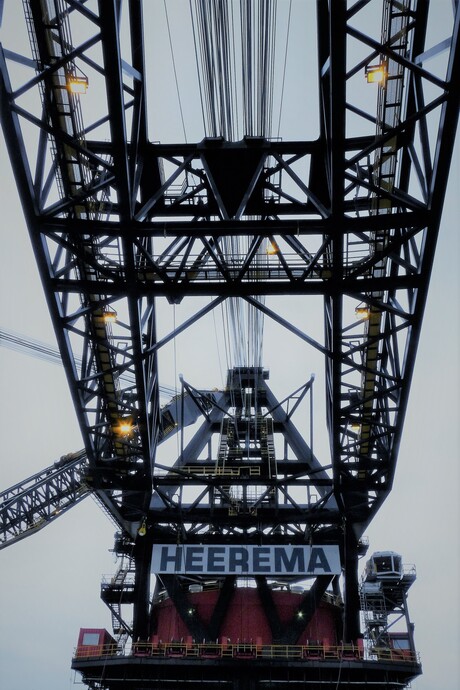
[383,565]
[397,564]
[91,638]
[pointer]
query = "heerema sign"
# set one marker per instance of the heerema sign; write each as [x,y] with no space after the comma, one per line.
[246,560]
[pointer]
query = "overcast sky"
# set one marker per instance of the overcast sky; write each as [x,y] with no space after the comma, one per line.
[49,583]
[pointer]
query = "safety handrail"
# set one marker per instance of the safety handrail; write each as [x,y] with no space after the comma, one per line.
[221,471]
[239,650]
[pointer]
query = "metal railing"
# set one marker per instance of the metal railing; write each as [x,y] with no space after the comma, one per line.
[241,650]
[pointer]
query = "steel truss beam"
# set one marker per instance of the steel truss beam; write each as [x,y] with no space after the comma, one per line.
[32,504]
[240,486]
[173,513]
[353,219]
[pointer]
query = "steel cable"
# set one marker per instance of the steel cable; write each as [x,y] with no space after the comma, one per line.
[221,79]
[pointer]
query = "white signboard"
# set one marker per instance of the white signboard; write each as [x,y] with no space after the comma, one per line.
[214,559]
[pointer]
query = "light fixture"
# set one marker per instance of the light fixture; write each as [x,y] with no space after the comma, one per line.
[272,248]
[356,427]
[77,83]
[124,427]
[110,316]
[142,531]
[377,74]
[362,312]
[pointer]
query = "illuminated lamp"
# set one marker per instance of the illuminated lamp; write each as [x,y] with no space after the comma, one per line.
[362,312]
[377,74]
[77,84]
[124,427]
[110,316]
[272,248]
[142,531]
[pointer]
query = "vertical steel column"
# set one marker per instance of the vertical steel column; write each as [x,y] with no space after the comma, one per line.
[142,558]
[351,589]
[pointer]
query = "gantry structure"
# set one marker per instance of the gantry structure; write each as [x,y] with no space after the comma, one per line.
[122,225]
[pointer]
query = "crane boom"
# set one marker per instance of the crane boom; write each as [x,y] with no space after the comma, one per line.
[35,502]
[30,505]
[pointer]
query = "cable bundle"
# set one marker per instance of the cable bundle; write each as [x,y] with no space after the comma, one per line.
[236,79]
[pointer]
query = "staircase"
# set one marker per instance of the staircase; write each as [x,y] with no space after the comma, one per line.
[119,590]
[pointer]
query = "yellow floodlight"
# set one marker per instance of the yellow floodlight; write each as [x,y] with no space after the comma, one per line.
[110,316]
[362,312]
[272,248]
[77,84]
[124,427]
[377,74]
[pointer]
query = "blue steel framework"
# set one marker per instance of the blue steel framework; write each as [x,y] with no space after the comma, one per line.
[117,221]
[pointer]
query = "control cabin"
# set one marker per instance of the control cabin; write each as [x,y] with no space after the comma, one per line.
[383,565]
[95,642]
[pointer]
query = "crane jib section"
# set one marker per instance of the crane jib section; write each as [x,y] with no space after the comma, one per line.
[131,221]
[239,228]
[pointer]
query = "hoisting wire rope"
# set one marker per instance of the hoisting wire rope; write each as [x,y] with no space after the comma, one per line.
[175,71]
[288,31]
[220,80]
[18,342]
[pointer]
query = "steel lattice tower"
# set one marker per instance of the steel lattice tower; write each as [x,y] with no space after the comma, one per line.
[118,222]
